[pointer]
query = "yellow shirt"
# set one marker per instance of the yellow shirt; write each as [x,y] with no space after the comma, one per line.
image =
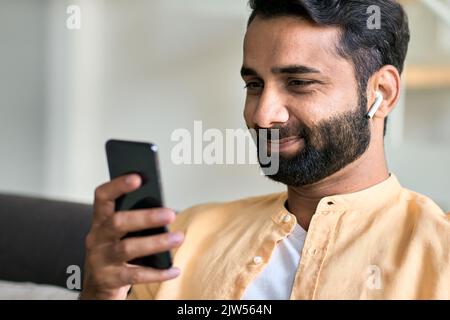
[385,242]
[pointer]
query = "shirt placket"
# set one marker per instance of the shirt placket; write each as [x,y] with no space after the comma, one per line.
[317,243]
[283,225]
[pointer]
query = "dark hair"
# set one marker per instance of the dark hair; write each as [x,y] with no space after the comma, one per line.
[368,49]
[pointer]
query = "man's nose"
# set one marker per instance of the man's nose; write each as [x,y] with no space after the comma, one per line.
[270,109]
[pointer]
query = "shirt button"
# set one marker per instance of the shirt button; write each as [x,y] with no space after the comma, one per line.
[286,218]
[257,260]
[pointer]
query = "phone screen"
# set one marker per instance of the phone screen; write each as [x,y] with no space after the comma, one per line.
[126,157]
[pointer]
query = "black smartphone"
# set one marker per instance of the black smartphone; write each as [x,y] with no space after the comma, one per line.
[126,157]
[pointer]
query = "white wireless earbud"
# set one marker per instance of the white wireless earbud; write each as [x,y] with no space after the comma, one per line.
[378,100]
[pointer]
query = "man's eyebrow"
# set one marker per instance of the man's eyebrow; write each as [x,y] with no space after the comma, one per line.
[295,69]
[291,69]
[245,71]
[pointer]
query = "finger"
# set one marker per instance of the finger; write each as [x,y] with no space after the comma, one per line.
[136,220]
[131,248]
[106,194]
[122,222]
[113,276]
[131,275]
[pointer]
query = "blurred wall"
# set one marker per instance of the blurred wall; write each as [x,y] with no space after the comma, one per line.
[418,144]
[22,94]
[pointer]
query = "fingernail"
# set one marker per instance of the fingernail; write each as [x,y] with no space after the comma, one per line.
[173,272]
[164,214]
[175,237]
[131,179]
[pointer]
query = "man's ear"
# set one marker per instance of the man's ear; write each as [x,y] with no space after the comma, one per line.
[387,82]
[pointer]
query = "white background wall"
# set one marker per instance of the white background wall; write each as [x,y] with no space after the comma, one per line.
[22,94]
[139,70]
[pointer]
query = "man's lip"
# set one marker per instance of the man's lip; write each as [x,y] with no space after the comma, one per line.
[285,140]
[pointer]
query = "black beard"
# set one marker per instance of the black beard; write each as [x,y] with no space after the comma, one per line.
[330,146]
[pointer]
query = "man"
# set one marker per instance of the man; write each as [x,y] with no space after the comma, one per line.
[345,228]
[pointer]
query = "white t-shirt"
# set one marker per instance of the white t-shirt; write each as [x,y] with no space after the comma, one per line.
[276,280]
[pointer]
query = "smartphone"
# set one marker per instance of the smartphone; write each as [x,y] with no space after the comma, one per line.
[127,157]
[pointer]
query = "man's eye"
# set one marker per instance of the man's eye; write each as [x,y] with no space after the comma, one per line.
[297,83]
[253,85]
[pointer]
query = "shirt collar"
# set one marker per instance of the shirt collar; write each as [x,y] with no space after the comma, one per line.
[371,199]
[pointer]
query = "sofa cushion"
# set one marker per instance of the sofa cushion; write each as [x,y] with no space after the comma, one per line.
[40,238]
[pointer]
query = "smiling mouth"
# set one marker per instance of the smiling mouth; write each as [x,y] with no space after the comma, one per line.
[285,140]
[286,144]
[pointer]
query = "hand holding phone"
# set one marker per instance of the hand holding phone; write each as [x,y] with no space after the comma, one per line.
[127,157]
[108,273]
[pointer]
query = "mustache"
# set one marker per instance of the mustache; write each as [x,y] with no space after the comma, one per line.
[283,132]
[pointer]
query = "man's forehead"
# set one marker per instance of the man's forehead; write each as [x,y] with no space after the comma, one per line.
[289,40]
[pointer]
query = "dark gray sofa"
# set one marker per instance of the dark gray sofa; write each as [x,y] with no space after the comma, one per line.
[40,238]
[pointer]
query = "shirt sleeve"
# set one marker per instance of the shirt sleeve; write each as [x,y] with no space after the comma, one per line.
[143,291]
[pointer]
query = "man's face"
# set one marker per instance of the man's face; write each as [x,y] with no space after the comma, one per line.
[296,82]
